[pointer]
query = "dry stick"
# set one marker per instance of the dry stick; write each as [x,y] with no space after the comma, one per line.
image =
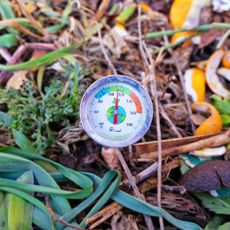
[132,181]
[28,15]
[114,207]
[182,84]
[158,126]
[5,54]
[148,220]
[214,141]
[14,24]
[102,9]
[222,40]
[56,219]
[149,171]
[104,50]
[149,64]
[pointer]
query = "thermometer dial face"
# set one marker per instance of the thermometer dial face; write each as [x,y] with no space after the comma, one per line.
[116,111]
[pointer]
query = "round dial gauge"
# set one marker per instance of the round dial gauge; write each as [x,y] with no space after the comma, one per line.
[116,111]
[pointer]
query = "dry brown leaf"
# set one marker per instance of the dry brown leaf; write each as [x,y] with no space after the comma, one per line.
[17,80]
[110,157]
[122,221]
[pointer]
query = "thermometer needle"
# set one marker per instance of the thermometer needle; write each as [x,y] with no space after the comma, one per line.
[115,116]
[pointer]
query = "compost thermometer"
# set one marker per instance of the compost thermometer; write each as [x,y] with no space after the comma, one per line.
[116,111]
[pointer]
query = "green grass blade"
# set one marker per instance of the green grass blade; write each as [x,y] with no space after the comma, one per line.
[40,61]
[12,163]
[32,200]
[3,212]
[103,200]
[41,219]
[20,211]
[8,40]
[44,189]
[46,165]
[6,11]
[143,207]
[106,180]
[22,141]
[78,178]
[121,197]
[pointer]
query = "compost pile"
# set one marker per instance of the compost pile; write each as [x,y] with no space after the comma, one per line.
[53,176]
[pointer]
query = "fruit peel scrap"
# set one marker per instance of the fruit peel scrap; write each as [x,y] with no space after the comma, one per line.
[212,124]
[185,14]
[195,84]
[212,78]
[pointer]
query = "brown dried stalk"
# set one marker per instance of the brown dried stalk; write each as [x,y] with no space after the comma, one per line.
[168,120]
[214,141]
[102,9]
[151,68]
[132,182]
[13,23]
[151,146]
[56,219]
[33,21]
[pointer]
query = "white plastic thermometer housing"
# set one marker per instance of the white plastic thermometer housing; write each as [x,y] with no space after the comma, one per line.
[116,111]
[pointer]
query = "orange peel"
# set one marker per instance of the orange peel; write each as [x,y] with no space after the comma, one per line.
[226,59]
[182,35]
[212,78]
[186,13]
[145,7]
[212,124]
[195,84]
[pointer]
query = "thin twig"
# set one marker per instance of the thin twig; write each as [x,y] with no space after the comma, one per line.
[5,54]
[143,175]
[56,219]
[148,220]
[168,120]
[223,38]
[33,21]
[104,51]
[150,66]
[158,126]
[133,185]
